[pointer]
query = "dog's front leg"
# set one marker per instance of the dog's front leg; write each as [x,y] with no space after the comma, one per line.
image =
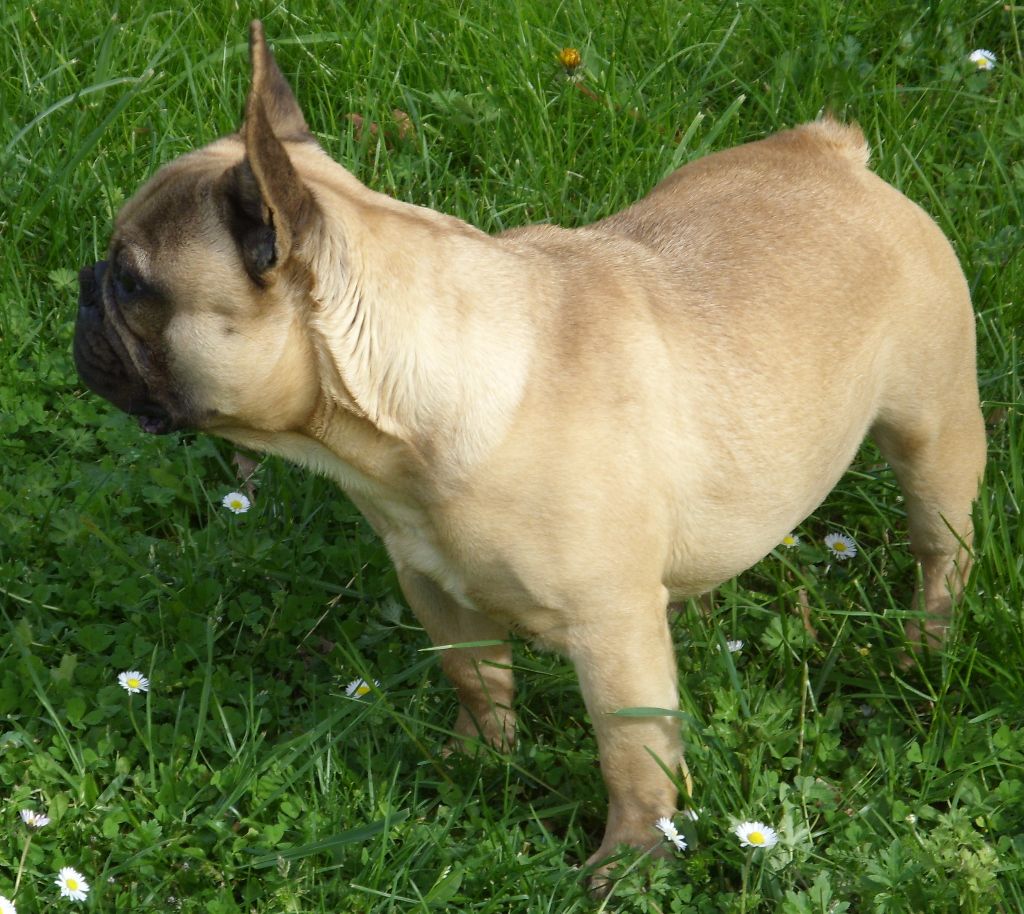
[482,676]
[625,659]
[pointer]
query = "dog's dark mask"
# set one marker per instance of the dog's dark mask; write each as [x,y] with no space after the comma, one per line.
[102,360]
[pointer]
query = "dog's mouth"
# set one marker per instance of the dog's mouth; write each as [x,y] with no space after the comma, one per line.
[104,364]
[153,418]
[157,425]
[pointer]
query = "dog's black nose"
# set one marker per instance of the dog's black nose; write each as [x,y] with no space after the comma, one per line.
[90,280]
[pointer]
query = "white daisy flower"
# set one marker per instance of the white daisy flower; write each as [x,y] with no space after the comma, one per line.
[133,681]
[790,541]
[72,884]
[756,834]
[236,502]
[7,906]
[34,819]
[357,688]
[668,829]
[841,546]
[982,59]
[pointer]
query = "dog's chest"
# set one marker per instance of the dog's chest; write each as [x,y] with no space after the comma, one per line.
[413,542]
[416,546]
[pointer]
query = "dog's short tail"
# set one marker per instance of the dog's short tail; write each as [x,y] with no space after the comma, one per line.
[845,139]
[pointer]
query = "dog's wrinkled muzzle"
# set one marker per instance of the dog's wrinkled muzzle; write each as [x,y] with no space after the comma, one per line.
[102,361]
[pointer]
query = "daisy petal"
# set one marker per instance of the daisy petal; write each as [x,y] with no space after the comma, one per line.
[982,59]
[72,884]
[841,546]
[236,502]
[667,827]
[358,688]
[756,834]
[34,819]
[133,682]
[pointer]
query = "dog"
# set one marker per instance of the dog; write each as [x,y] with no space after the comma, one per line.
[557,432]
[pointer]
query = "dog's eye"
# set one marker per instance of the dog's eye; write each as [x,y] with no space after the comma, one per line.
[125,283]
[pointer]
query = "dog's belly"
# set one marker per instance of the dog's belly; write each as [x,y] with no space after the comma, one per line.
[737,510]
[723,551]
[725,557]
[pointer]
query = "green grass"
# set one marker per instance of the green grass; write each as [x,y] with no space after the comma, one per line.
[245,780]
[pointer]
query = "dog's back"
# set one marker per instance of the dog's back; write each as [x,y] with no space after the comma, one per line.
[786,300]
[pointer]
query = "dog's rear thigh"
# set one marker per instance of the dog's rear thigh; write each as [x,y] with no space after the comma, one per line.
[936,448]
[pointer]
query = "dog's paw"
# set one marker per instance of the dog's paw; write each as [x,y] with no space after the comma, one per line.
[470,735]
[608,864]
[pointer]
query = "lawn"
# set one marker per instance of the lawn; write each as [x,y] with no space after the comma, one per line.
[246,779]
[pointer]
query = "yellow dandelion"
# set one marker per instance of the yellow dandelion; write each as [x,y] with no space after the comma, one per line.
[569,58]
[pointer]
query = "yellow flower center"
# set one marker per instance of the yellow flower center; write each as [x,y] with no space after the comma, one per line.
[134,683]
[839,546]
[756,837]
[569,57]
[72,884]
[363,689]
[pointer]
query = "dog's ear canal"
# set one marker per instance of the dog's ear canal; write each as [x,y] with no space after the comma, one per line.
[268,205]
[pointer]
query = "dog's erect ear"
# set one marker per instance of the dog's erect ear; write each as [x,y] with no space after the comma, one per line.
[269,205]
[272,88]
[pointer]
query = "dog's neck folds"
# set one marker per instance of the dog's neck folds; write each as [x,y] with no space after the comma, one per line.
[416,333]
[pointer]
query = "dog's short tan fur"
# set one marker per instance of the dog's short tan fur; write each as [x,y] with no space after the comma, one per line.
[557,431]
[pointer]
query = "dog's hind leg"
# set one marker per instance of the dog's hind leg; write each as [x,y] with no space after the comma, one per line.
[935,444]
[482,675]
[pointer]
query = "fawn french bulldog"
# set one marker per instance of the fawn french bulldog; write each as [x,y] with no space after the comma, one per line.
[556,431]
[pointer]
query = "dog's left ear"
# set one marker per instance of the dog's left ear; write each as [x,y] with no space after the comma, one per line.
[273,91]
[270,206]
